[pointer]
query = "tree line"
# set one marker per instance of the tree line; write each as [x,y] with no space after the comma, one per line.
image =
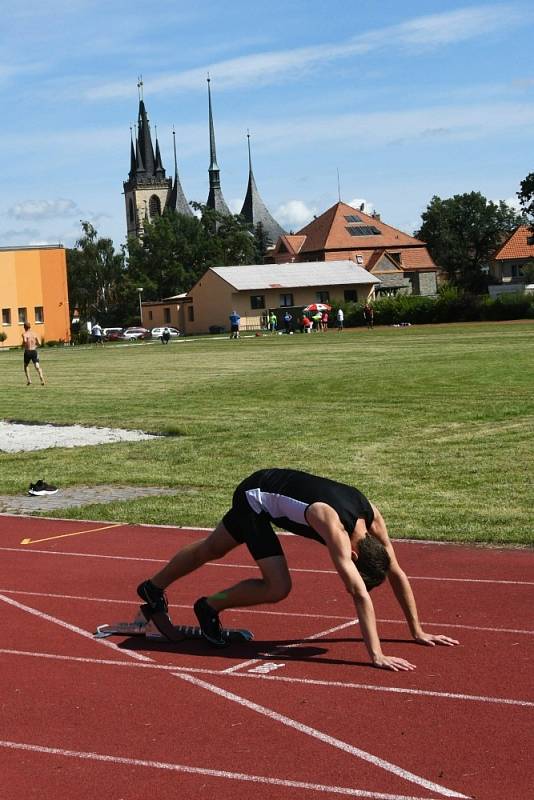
[462,234]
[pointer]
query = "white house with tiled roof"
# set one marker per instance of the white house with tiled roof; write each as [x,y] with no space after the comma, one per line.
[512,256]
[255,289]
[344,232]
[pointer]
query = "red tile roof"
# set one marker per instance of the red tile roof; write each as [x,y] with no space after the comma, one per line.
[329,232]
[517,245]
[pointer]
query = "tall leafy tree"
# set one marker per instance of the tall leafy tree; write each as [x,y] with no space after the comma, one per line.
[463,232]
[176,250]
[96,279]
[526,198]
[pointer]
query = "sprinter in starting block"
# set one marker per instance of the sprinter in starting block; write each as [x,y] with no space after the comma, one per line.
[158,627]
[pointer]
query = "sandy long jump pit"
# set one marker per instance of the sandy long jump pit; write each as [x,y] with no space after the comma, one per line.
[16,437]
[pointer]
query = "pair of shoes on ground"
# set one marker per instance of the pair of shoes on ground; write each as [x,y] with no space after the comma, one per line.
[158,607]
[41,488]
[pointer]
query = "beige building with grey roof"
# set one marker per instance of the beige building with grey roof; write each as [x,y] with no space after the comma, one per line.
[255,289]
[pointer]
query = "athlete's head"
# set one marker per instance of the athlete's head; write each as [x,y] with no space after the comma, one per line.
[372,561]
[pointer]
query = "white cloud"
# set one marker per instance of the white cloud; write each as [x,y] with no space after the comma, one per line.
[44,209]
[294,214]
[430,31]
[363,204]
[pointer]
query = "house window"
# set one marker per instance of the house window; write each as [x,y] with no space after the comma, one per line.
[396,257]
[350,295]
[286,300]
[39,314]
[191,313]
[23,316]
[166,315]
[257,301]
[6,316]
[131,209]
[154,206]
[150,315]
[322,297]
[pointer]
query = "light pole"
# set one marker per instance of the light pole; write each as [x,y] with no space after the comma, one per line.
[140,291]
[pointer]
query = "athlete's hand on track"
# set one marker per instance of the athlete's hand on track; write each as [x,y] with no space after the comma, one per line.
[431,639]
[393,663]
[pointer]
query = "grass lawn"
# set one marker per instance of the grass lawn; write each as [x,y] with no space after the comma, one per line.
[435,424]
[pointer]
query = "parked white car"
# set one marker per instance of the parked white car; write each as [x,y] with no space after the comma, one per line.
[135,333]
[157,333]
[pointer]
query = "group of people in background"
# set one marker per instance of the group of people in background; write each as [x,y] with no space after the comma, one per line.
[309,322]
[318,322]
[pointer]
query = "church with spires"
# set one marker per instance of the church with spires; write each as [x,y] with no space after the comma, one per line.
[148,192]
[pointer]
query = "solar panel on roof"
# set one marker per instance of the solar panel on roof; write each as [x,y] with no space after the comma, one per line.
[353,218]
[363,230]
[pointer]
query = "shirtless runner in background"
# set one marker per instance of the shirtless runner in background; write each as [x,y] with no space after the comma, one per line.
[31,342]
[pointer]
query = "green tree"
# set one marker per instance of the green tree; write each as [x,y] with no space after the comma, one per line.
[526,198]
[176,250]
[463,232]
[97,283]
[262,242]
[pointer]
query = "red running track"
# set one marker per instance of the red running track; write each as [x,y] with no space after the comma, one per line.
[297,713]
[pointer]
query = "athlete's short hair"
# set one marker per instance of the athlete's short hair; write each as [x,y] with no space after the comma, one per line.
[373,562]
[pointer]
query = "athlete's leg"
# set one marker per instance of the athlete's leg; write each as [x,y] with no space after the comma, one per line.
[194,555]
[273,586]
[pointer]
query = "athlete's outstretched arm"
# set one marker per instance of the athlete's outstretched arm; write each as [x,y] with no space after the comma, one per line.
[326,522]
[402,588]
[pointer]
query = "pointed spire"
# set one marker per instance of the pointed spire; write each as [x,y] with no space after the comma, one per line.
[145,139]
[177,200]
[215,197]
[254,209]
[159,171]
[133,162]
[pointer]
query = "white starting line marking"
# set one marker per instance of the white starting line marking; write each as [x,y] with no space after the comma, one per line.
[368,687]
[323,737]
[213,773]
[147,560]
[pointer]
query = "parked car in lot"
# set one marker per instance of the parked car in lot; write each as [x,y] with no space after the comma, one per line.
[157,333]
[112,334]
[135,333]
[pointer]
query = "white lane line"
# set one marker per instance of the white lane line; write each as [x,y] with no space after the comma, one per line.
[322,737]
[72,628]
[278,652]
[368,687]
[213,773]
[225,565]
[268,612]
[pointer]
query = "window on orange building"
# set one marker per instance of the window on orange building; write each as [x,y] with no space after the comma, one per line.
[39,314]
[23,316]
[191,313]
[6,316]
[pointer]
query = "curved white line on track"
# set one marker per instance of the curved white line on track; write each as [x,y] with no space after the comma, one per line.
[368,687]
[322,737]
[253,566]
[69,627]
[213,773]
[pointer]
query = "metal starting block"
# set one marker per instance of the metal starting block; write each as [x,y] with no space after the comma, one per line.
[143,627]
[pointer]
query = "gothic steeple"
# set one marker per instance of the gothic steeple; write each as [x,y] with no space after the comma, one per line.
[177,200]
[215,197]
[254,209]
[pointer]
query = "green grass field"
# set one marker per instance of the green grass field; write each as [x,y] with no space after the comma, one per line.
[435,424]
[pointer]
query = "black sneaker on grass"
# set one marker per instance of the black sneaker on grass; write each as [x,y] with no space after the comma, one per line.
[208,619]
[153,596]
[42,488]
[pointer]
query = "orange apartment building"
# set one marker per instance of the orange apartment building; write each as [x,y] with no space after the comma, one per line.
[33,288]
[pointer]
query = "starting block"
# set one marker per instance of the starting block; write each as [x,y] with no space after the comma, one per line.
[141,626]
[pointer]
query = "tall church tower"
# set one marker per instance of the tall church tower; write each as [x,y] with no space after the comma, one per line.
[215,197]
[147,189]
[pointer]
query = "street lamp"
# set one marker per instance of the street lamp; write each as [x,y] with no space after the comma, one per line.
[140,291]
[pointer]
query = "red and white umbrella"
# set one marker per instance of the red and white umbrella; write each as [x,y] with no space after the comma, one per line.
[318,307]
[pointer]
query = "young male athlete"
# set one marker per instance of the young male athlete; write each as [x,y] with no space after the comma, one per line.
[332,513]
[30,343]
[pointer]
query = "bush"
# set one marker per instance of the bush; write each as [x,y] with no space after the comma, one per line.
[3,336]
[451,305]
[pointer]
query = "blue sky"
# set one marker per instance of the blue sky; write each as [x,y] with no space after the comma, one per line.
[406,99]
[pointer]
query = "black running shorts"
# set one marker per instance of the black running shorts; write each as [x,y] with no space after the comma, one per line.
[247,527]
[30,355]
